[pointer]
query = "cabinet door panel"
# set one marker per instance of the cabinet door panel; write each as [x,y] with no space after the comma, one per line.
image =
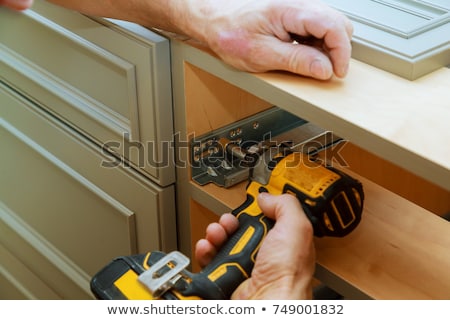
[110,84]
[60,204]
[30,268]
[62,207]
[91,80]
[407,37]
[75,208]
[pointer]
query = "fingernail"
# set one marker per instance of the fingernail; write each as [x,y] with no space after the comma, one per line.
[262,195]
[319,69]
[344,70]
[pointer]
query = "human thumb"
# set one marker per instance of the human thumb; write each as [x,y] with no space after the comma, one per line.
[266,203]
[284,207]
[276,206]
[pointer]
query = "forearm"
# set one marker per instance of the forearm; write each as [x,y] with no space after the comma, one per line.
[251,35]
[170,15]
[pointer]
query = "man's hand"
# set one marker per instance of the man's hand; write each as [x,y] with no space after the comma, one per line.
[285,263]
[256,35]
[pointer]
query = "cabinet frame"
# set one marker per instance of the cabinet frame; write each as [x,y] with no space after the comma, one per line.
[382,232]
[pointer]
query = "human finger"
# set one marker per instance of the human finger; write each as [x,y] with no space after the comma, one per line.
[17,4]
[206,249]
[204,252]
[229,222]
[292,234]
[286,210]
[218,232]
[304,59]
[216,235]
[336,34]
[291,239]
[330,26]
[338,46]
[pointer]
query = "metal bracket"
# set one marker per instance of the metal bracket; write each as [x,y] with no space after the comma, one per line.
[163,275]
[221,156]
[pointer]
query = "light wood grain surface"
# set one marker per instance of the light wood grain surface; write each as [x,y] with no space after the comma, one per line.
[376,110]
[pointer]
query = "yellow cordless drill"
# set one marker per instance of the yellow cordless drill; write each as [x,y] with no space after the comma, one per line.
[331,199]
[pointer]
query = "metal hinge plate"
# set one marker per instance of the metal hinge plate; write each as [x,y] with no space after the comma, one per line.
[216,158]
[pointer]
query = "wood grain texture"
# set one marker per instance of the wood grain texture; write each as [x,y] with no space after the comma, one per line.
[401,120]
[398,180]
[212,103]
[399,250]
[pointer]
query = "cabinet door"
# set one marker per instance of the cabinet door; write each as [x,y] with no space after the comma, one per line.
[62,214]
[108,83]
[407,37]
[13,273]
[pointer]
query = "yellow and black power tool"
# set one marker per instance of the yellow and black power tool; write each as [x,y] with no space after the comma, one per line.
[332,200]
